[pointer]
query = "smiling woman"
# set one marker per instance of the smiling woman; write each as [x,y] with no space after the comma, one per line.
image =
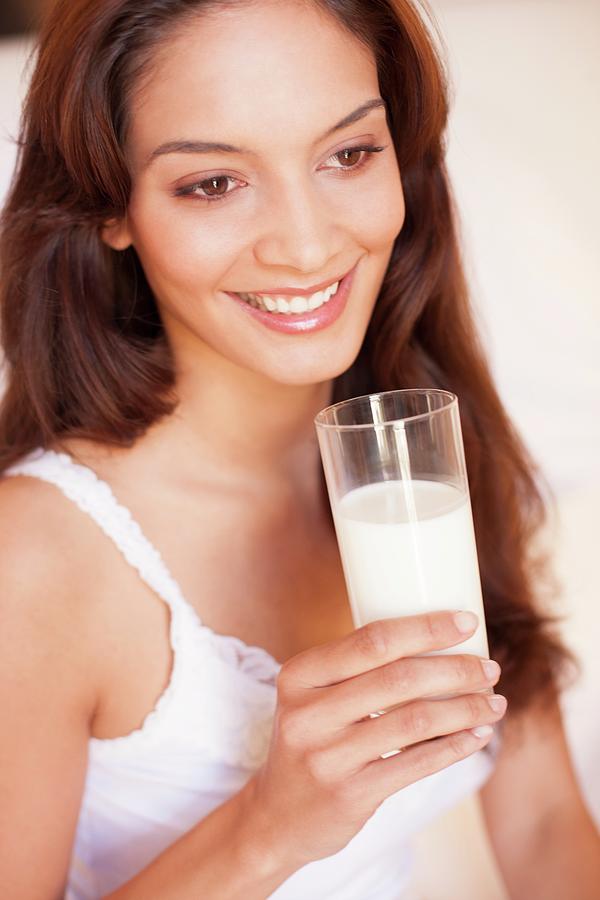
[227,215]
[266,210]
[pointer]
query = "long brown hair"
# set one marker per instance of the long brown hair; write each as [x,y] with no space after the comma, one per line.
[85,352]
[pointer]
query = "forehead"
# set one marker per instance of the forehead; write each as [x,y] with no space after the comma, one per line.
[257,73]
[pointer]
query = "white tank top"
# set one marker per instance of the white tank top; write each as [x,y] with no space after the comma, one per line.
[207,734]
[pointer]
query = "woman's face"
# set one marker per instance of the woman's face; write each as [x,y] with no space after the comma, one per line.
[295,205]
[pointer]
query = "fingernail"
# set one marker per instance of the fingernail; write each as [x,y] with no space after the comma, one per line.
[497,702]
[465,622]
[482,731]
[491,668]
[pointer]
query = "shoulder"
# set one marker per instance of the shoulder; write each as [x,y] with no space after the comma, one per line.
[48,685]
[39,528]
[34,527]
[42,585]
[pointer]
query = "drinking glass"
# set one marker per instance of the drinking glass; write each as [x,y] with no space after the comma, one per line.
[397,482]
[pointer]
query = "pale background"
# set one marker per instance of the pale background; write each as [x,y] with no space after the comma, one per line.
[524,155]
[524,152]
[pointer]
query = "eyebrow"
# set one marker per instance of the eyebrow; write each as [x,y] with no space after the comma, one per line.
[219,147]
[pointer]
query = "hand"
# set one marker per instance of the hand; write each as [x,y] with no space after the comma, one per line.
[324,776]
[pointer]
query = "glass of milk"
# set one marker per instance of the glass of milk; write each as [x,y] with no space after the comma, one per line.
[397,482]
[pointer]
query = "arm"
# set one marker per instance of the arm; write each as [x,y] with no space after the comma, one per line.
[227,856]
[543,836]
[46,701]
[51,685]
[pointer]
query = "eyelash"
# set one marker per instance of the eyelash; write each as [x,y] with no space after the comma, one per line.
[189,190]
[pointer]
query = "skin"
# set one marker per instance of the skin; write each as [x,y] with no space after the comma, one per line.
[300,220]
[254,489]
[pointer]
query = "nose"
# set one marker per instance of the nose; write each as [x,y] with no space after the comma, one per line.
[300,232]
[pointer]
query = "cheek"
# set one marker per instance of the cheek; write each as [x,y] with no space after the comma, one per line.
[391,209]
[180,249]
[378,213]
[396,212]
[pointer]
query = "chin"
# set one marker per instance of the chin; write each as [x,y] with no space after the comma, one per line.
[318,372]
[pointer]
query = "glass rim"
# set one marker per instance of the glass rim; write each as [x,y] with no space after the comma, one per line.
[320,423]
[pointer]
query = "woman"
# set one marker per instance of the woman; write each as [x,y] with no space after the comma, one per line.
[185,168]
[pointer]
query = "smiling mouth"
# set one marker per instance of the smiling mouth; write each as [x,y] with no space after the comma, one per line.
[290,305]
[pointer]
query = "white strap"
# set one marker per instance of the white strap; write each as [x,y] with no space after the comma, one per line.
[95,497]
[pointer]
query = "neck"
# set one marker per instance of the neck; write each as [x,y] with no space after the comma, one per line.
[241,428]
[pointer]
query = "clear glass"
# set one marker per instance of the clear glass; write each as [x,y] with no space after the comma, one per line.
[397,481]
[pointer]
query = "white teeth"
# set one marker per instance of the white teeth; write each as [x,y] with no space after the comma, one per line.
[296,305]
[299,305]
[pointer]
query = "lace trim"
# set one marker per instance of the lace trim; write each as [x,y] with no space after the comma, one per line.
[95,497]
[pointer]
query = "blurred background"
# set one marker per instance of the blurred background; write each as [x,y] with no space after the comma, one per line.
[19,16]
[524,146]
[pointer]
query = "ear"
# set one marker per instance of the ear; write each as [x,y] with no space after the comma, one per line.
[116,234]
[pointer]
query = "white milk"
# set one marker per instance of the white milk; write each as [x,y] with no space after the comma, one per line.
[395,566]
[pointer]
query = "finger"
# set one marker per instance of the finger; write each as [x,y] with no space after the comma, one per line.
[420,721]
[403,680]
[375,644]
[387,776]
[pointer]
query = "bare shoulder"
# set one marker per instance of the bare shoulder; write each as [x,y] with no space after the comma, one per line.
[71,603]
[48,684]
[37,527]
[42,548]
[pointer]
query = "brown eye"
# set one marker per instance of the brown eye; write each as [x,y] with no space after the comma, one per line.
[215,187]
[210,189]
[349,156]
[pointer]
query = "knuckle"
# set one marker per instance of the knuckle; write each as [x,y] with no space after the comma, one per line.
[319,767]
[418,719]
[292,728]
[393,678]
[477,711]
[438,754]
[463,670]
[285,678]
[459,744]
[432,627]
[423,760]
[372,640]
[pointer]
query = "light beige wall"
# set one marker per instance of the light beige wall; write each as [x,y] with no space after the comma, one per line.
[524,146]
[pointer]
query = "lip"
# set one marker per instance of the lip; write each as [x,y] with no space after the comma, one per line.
[310,321]
[297,292]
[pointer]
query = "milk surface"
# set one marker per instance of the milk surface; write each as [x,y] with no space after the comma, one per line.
[397,565]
